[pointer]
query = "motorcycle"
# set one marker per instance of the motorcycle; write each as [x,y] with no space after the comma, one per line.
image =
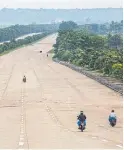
[113,122]
[24,79]
[82,127]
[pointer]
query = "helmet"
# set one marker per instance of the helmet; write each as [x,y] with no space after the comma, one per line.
[81,112]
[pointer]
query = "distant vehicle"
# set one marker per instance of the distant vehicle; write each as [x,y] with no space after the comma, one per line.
[81,125]
[24,79]
[112,118]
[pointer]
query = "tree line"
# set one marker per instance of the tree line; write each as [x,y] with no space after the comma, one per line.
[112,27]
[17,43]
[92,51]
[12,32]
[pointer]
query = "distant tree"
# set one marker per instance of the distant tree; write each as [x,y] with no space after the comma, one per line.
[93,51]
[116,41]
[13,32]
[67,26]
[95,28]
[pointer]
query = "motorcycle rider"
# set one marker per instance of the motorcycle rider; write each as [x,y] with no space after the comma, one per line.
[24,78]
[81,119]
[112,116]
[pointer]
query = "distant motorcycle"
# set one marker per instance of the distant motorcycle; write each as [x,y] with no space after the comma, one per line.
[81,125]
[24,79]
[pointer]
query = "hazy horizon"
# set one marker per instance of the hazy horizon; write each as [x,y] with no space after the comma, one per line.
[61,4]
[59,8]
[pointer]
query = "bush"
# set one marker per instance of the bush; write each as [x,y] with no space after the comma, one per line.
[66,56]
[117,70]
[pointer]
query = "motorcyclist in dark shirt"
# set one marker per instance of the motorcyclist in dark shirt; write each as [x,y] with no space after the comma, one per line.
[24,79]
[81,118]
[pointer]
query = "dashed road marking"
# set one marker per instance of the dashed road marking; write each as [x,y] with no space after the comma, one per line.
[101,125]
[21,143]
[104,140]
[21,139]
[22,132]
[94,137]
[119,146]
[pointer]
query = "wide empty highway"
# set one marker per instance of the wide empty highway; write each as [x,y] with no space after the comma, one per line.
[42,112]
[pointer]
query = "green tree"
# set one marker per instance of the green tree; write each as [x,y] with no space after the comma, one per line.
[67,26]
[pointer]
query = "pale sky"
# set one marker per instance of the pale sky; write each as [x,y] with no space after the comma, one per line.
[60,3]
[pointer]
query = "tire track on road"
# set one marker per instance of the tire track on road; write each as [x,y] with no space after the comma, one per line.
[7,82]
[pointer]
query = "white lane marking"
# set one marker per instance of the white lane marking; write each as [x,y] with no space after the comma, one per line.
[119,146]
[21,143]
[22,131]
[21,139]
[101,125]
[104,140]
[94,137]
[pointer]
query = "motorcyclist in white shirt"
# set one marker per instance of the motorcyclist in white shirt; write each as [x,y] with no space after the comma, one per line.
[112,116]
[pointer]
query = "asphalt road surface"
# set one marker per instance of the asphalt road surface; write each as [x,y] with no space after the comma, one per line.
[42,112]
